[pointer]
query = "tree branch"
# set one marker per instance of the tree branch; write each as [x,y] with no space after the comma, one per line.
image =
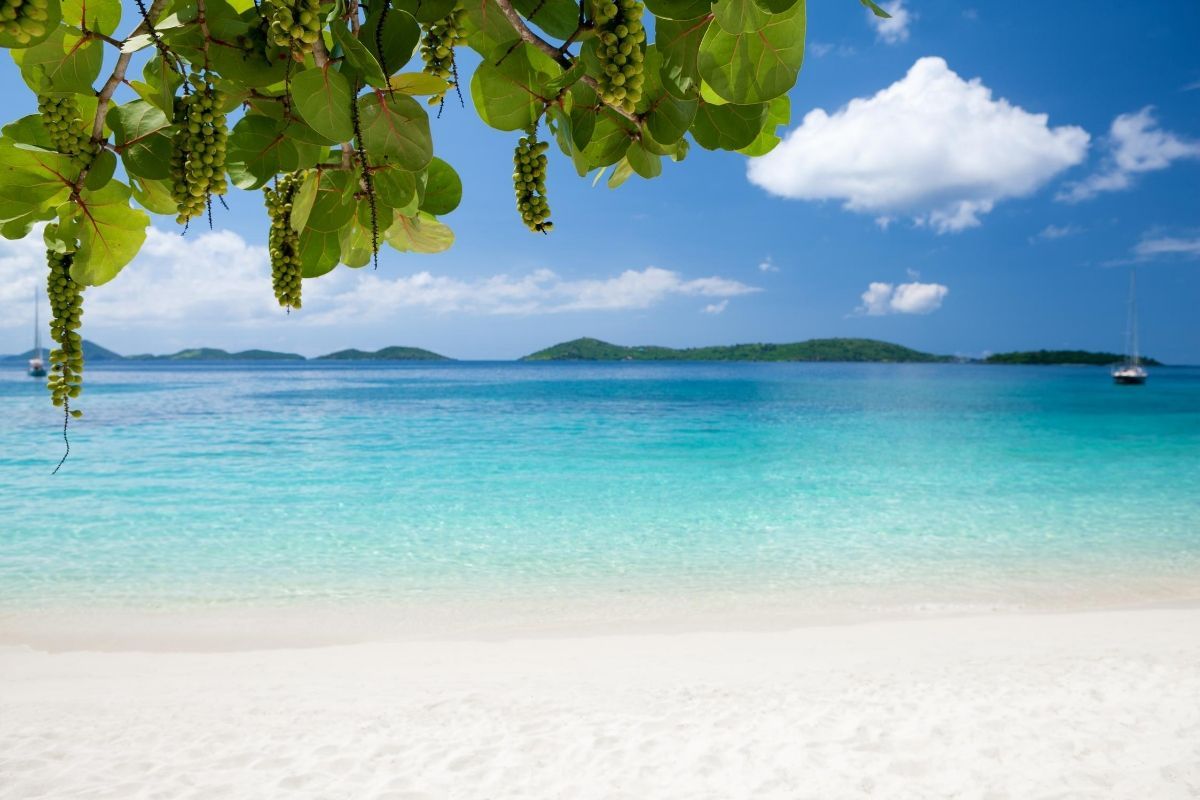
[104,96]
[529,37]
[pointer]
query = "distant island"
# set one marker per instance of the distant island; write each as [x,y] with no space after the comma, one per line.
[385,354]
[1062,357]
[215,354]
[587,349]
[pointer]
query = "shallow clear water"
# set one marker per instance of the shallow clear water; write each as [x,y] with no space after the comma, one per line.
[868,485]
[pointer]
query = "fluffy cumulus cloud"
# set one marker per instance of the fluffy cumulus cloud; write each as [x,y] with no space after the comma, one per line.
[218,279]
[716,308]
[1136,144]
[893,29]
[906,298]
[932,146]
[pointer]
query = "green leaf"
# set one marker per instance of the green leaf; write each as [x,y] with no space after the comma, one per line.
[559,18]
[400,36]
[727,127]
[754,66]
[321,95]
[609,141]
[111,233]
[141,139]
[426,10]
[489,32]
[102,16]
[53,16]
[665,116]
[319,244]
[876,10]
[739,16]
[418,83]
[365,65]
[302,202]
[643,162]
[63,63]
[395,131]
[678,41]
[621,173]
[354,244]
[104,165]
[257,150]
[779,111]
[775,6]
[678,9]
[567,79]
[443,189]
[154,196]
[398,189]
[509,97]
[161,83]
[419,234]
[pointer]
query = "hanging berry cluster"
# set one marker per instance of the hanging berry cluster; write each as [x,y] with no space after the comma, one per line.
[284,241]
[529,181]
[24,20]
[63,122]
[293,24]
[620,32]
[198,150]
[437,48]
[66,313]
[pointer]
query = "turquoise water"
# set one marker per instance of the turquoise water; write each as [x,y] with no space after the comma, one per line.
[863,485]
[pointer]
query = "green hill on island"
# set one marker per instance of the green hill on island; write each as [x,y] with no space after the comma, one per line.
[385,354]
[587,349]
[91,352]
[1059,357]
[216,354]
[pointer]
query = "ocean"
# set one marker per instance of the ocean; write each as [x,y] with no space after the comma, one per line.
[570,492]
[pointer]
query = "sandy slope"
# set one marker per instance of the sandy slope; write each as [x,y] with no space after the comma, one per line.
[1103,705]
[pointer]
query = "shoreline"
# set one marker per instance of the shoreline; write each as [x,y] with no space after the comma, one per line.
[1092,704]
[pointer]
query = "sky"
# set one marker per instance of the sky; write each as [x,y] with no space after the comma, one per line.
[962,179]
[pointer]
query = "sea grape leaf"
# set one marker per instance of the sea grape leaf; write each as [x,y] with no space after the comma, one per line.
[319,244]
[678,41]
[775,6]
[678,9]
[101,16]
[779,111]
[511,95]
[443,189]
[302,201]
[609,141]
[141,139]
[354,244]
[665,116]
[739,16]
[489,32]
[395,131]
[420,233]
[754,66]
[559,18]
[426,11]
[418,83]
[642,161]
[727,127]
[398,189]
[257,150]
[154,196]
[876,10]
[400,36]
[64,62]
[321,95]
[110,233]
[102,168]
[365,65]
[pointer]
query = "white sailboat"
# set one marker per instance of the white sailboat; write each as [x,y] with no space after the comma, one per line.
[37,367]
[1130,372]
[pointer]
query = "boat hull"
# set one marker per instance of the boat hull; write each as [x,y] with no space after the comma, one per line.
[1129,380]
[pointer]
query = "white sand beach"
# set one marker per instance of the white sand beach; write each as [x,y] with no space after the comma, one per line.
[1083,705]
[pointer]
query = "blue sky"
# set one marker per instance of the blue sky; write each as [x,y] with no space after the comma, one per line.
[996,174]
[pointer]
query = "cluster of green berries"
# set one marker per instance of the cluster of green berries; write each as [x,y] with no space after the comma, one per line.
[293,24]
[66,307]
[437,48]
[198,151]
[61,118]
[529,180]
[283,241]
[24,20]
[620,34]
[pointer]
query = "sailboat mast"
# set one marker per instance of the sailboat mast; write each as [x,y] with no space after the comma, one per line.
[37,327]
[1133,326]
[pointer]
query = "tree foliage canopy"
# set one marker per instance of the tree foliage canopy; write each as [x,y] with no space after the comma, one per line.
[325,106]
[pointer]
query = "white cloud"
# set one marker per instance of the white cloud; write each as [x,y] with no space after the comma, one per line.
[767,265]
[1136,145]
[894,29]
[907,298]
[218,279]
[1057,232]
[822,49]
[931,146]
[716,308]
[1150,248]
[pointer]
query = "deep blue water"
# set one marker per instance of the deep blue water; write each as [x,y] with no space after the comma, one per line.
[252,484]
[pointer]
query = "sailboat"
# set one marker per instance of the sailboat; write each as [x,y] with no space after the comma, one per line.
[37,367]
[1130,372]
